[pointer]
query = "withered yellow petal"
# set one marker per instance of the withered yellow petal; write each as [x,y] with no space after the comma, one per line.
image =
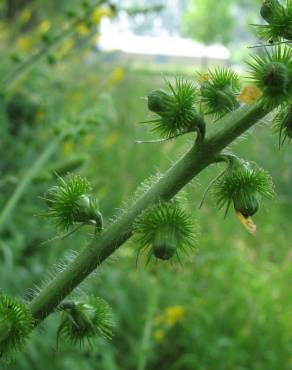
[247,222]
[249,94]
[203,77]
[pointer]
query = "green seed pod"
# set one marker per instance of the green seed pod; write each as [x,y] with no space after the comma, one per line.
[268,9]
[164,243]
[159,101]
[275,77]
[221,101]
[16,322]
[246,203]
[219,89]
[70,203]
[176,110]
[271,73]
[165,230]
[85,319]
[87,210]
[278,17]
[242,184]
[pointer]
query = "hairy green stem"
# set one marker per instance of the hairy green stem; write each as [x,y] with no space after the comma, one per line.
[193,162]
[30,174]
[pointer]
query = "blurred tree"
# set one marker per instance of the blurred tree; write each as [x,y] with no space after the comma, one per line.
[212,21]
[209,21]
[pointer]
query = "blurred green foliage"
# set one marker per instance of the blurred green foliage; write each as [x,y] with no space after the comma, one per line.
[225,22]
[228,307]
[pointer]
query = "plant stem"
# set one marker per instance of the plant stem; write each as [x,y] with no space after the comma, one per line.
[146,335]
[30,174]
[193,162]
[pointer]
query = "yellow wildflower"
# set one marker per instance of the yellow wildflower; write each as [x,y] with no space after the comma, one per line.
[203,77]
[44,26]
[100,12]
[111,140]
[25,16]
[39,115]
[173,314]
[88,139]
[75,97]
[249,94]
[159,335]
[66,47]
[82,29]
[68,147]
[245,331]
[116,76]
[24,42]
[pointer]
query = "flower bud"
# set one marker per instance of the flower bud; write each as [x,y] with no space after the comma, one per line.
[275,77]
[219,89]
[85,319]
[271,73]
[243,184]
[16,322]
[268,9]
[70,203]
[165,230]
[175,109]
[159,101]
[247,204]
[87,210]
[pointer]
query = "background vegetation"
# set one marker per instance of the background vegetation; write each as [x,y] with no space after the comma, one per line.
[229,306]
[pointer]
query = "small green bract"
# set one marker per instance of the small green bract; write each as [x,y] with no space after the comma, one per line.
[16,322]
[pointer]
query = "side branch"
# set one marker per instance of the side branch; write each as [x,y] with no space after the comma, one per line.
[192,163]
